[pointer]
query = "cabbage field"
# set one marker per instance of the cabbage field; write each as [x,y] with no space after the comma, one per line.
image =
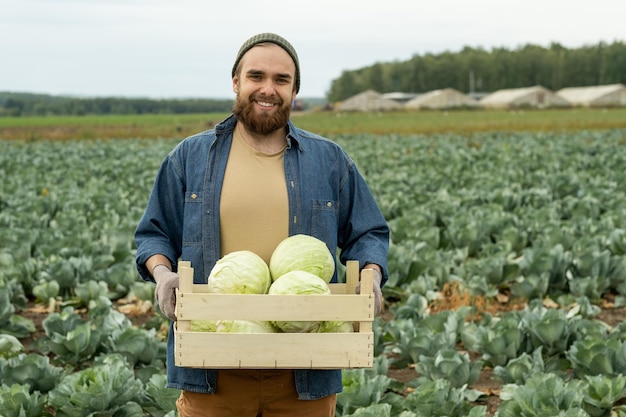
[506,295]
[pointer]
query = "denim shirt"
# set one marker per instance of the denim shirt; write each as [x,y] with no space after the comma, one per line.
[328,199]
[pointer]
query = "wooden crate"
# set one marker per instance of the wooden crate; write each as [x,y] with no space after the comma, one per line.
[275,350]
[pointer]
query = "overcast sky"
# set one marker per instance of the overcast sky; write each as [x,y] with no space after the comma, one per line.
[185,48]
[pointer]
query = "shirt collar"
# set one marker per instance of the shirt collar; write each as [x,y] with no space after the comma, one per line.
[227,126]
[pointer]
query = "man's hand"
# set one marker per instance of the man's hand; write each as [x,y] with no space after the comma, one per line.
[166,284]
[378,293]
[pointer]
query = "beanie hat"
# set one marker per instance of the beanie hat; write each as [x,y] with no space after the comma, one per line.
[272,38]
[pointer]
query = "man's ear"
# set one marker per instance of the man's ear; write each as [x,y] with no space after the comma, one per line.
[236,84]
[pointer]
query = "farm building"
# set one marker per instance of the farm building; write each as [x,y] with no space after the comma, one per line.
[528,97]
[611,95]
[445,98]
[369,100]
[400,97]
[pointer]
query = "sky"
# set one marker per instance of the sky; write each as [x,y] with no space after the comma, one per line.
[186,48]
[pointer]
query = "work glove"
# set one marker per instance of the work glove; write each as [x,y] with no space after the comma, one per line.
[378,293]
[166,284]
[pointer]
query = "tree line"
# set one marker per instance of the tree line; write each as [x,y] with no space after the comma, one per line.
[475,70]
[25,104]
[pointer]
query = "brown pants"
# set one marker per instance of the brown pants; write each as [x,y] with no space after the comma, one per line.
[254,393]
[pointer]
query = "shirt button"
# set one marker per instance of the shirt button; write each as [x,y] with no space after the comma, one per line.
[194,196]
[329,204]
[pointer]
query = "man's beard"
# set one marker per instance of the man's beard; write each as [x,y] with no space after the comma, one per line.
[265,123]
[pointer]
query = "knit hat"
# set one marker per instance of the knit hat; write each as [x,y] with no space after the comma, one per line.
[272,38]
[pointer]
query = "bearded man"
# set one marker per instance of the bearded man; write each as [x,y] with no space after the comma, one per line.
[248,184]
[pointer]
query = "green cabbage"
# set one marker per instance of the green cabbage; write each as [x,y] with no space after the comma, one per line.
[244,326]
[336,327]
[302,253]
[240,272]
[299,282]
[202,325]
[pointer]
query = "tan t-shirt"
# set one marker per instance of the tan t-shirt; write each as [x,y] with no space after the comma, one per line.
[254,209]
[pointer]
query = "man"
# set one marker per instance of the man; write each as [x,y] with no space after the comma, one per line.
[246,185]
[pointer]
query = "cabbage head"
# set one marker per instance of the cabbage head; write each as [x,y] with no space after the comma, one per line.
[240,272]
[244,326]
[202,325]
[299,282]
[336,327]
[302,253]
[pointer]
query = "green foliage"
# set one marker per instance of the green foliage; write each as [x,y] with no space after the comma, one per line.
[18,401]
[408,341]
[9,346]
[11,323]
[139,346]
[519,369]
[498,340]
[108,387]
[32,370]
[596,356]
[450,365]
[438,398]
[542,395]
[602,393]
[23,104]
[547,328]
[362,388]
[156,399]
[544,214]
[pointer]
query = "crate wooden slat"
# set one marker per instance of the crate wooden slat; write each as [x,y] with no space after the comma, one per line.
[272,307]
[275,350]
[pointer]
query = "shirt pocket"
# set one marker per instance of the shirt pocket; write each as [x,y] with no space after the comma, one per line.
[192,221]
[324,220]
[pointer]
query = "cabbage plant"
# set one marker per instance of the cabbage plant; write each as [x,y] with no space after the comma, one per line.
[542,395]
[519,369]
[11,323]
[32,370]
[500,340]
[548,328]
[69,337]
[10,346]
[602,393]
[598,356]
[139,346]
[18,401]
[408,339]
[156,399]
[362,388]
[439,398]
[451,365]
[108,388]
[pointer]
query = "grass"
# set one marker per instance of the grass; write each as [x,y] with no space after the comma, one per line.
[325,123]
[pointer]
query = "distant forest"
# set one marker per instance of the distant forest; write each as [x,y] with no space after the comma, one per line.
[26,104]
[475,70]
[472,70]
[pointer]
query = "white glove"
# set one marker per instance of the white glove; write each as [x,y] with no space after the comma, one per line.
[166,284]
[378,293]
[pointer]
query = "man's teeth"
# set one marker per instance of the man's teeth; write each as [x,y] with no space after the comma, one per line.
[265,104]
